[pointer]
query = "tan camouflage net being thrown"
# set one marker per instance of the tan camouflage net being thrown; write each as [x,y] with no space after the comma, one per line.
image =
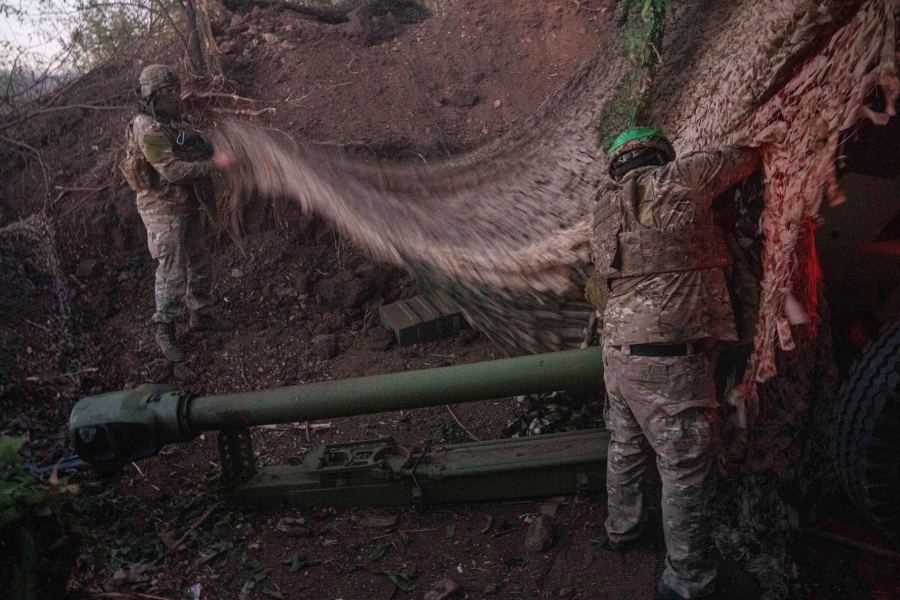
[503,230]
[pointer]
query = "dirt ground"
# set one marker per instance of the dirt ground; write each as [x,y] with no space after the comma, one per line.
[305,305]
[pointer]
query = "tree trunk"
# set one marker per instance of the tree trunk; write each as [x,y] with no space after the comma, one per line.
[202,49]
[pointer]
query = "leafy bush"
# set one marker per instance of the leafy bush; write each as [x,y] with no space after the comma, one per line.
[38,538]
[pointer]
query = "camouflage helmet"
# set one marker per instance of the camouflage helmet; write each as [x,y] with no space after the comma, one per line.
[154,77]
[637,139]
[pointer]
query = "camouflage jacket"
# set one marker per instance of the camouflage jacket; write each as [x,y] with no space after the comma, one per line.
[175,160]
[681,304]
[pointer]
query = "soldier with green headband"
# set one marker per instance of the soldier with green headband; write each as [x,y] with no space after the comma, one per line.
[660,257]
[164,160]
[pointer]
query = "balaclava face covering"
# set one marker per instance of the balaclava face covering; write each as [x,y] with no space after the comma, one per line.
[168,100]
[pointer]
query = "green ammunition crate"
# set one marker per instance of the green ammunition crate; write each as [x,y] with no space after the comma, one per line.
[421,319]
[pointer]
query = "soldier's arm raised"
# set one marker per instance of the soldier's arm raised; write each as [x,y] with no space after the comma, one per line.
[711,172]
[158,151]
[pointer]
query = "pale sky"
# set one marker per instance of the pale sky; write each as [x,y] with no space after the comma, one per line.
[38,31]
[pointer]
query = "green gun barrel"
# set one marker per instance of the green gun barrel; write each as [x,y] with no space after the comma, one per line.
[118,427]
[569,370]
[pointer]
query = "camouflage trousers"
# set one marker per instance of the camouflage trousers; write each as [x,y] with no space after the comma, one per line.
[664,406]
[176,242]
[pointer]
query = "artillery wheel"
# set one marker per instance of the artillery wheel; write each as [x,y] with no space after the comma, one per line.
[866,445]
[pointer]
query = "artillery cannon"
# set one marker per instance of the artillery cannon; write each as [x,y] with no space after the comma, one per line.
[112,429]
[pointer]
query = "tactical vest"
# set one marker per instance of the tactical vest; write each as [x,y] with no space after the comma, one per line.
[623,247]
[187,144]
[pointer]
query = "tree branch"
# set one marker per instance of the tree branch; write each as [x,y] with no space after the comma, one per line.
[51,109]
[248,113]
[37,155]
[192,95]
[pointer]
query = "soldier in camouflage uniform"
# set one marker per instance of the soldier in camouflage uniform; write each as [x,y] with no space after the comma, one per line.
[163,164]
[660,258]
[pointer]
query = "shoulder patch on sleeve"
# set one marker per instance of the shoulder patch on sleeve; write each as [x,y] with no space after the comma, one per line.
[155,146]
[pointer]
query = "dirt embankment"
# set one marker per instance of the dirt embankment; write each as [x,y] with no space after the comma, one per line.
[447,83]
[304,303]
[305,306]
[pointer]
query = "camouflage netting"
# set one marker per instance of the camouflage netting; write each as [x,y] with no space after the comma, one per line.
[503,230]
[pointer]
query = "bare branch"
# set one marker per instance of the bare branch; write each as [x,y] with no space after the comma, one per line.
[247,113]
[168,17]
[37,155]
[81,189]
[51,109]
[192,95]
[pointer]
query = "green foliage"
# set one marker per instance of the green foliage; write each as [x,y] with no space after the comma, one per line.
[105,28]
[641,42]
[401,580]
[646,24]
[37,59]
[34,530]
[147,550]
[18,490]
[447,432]
[9,451]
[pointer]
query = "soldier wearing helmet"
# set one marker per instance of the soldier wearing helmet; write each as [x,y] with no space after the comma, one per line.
[164,161]
[659,257]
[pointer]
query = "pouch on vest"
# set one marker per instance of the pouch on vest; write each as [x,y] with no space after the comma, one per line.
[596,291]
[623,247]
[606,226]
[139,174]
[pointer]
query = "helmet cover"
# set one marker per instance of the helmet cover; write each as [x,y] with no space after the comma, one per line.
[155,77]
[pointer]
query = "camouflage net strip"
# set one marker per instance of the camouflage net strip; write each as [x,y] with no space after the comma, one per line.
[503,230]
[807,117]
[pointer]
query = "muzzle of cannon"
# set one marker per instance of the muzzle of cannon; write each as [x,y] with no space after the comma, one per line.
[113,429]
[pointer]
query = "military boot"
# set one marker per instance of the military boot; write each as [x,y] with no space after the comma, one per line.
[206,322]
[164,335]
[664,593]
[623,547]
